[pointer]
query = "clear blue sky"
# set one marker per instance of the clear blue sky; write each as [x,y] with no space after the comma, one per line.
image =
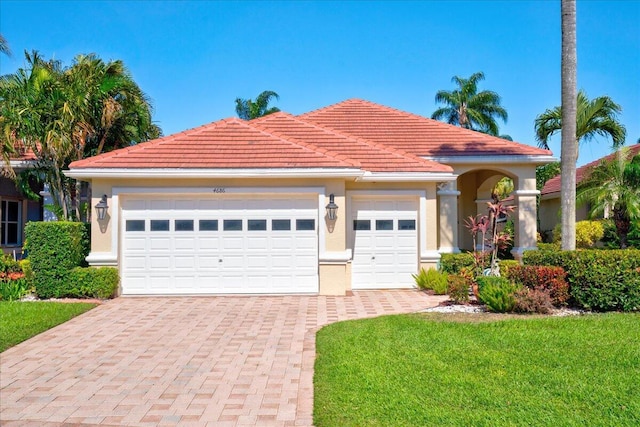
[193,58]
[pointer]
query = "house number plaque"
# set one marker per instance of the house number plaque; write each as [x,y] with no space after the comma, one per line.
[219,190]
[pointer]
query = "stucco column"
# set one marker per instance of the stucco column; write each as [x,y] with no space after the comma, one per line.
[525,222]
[448,196]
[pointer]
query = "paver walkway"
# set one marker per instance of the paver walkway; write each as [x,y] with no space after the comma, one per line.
[202,361]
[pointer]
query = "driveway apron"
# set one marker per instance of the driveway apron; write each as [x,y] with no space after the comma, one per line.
[201,361]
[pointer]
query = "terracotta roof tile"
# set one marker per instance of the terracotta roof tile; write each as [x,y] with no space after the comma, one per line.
[554,184]
[412,133]
[373,157]
[230,143]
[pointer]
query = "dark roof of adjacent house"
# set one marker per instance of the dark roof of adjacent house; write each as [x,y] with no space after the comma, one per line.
[552,186]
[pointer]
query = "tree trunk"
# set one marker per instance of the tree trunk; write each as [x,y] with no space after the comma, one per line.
[569,149]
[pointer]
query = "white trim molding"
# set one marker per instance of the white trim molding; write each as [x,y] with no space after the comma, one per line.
[90,173]
[407,176]
[526,193]
[335,257]
[496,159]
[430,256]
[102,259]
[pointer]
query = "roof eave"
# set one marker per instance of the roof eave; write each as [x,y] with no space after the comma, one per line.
[158,173]
[407,176]
[495,159]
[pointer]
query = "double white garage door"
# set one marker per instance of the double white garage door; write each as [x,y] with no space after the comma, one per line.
[262,245]
[225,245]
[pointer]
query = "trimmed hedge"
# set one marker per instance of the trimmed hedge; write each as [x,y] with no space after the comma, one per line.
[600,280]
[99,283]
[541,277]
[55,248]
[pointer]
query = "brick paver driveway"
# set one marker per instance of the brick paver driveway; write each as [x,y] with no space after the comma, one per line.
[219,361]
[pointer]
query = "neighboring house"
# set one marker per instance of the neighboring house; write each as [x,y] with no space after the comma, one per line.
[245,206]
[16,209]
[550,196]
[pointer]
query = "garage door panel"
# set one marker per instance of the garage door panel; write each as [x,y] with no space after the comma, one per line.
[384,242]
[223,245]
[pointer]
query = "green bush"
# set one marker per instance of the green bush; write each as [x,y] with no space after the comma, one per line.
[600,280]
[458,288]
[25,265]
[9,265]
[431,279]
[55,248]
[497,293]
[90,282]
[454,263]
[506,265]
[611,239]
[549,246]
[13,288]
[588,233]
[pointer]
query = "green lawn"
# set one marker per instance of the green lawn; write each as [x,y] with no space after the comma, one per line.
[427,370]
[20,321]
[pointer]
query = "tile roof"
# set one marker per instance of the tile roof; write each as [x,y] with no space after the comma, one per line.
[353,134]
[372,156]
[229,143]
[412,133]
[553,185]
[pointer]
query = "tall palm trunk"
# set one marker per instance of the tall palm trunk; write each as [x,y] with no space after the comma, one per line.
[569,149]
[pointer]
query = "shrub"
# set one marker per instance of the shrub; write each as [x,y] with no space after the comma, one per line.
[54,249]
[588,233]
[13,286]
[533,301]
[453,263]
[25,265]
[431,279]
[9,265]
[458,288]
[91,283]
[506,265]
[497,293]
[600,280]
[546,278]
[549,247]
[611,239]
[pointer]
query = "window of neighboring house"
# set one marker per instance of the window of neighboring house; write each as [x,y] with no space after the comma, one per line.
[10,224]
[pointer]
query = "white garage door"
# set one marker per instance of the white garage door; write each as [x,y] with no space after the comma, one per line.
[385,242]
[223,245]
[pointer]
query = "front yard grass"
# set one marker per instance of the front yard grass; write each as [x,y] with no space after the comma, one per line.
[20,320]
[436,370]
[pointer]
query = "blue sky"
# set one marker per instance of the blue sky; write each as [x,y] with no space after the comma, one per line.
[193,58]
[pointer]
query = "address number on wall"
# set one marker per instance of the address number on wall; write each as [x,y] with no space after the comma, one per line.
[219,190]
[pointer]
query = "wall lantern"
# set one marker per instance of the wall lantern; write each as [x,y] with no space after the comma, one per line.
[101,208]
[332,208]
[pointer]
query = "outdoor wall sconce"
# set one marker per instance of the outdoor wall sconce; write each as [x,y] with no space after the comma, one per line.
[101,208]
[332,208]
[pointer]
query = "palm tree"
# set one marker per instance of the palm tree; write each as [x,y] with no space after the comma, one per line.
[468,108]
[596,117]
[248,109]
[613,187]
[569,148]
[4,46]
[66,114]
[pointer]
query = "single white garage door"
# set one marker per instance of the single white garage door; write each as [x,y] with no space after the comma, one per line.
[385,242]
[222,245]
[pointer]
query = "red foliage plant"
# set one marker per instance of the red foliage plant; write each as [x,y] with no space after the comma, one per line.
[540,277]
